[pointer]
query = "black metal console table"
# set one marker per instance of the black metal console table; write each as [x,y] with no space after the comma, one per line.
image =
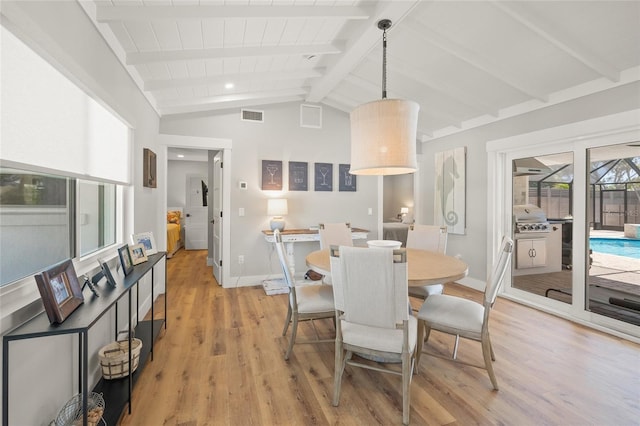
[116,393]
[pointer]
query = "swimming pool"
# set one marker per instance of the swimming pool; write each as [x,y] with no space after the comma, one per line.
[618,246]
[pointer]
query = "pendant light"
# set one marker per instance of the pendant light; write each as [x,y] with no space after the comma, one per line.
[383,133]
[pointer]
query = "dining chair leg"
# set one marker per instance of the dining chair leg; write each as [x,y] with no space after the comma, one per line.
[493,355]
[486,354]
[455,346]
[287,321]
[406,387]
[337,375]
[419,344]
[292,339]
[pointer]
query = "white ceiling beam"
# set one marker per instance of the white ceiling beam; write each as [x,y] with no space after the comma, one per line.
[254,97]
[232,104]
[195,12]
[336,105]
[558,38]
[248,77]
[420,32]
[375,88]
[451,91]
[368,36]
[136,58]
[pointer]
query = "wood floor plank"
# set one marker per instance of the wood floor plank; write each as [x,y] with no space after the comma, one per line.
[221,362]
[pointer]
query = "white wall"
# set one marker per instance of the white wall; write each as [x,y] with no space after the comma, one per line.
[177,172]
[281,138]
[44,371]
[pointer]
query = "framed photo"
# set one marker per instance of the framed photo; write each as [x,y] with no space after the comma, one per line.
[138,254]
[298,176]
[107,273]
[60,291]
[271,175]
[125,259]
[147,240]
[323,177]
[346,181]
[149,171]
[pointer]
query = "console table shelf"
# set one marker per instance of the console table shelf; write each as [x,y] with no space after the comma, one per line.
[116,393]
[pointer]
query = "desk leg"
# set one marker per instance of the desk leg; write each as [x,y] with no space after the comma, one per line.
[291,258]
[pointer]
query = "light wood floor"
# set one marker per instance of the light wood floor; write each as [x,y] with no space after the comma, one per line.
[220,362]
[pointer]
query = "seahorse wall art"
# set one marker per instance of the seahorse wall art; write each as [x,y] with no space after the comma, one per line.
[450,190]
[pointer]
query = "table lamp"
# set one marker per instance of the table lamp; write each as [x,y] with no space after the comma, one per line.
[277,207]
[403,212]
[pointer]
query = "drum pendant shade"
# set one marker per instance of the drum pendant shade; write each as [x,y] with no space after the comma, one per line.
[383,137]
[383,133]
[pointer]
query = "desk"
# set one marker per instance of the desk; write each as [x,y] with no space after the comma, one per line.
[424,267]
[291,236]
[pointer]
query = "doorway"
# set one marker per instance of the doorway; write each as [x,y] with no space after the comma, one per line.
[203,148]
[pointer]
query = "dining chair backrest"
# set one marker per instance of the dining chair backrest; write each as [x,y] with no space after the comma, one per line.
[370,279]
[338,234]
[497,272]
[427,237]
[286,268]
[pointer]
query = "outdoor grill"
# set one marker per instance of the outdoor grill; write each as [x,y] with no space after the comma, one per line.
[530,219]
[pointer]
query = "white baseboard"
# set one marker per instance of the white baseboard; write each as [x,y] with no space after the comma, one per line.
[472,283]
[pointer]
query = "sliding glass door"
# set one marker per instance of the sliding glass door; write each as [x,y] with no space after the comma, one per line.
[612,284]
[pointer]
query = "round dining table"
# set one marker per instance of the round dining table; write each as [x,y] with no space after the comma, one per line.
[424,267]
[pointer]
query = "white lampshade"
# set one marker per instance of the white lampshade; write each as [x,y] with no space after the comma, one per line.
[404,210]
[277,207]
[383,137]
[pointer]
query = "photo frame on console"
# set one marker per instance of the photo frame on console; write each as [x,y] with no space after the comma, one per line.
[107,272]
[147,240]
[60,291]
[125,259]
[138,254]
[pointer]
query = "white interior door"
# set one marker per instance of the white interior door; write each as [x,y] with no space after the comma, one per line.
[195,226]
[216,197]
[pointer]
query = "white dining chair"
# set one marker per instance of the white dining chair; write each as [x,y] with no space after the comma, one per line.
[463,317]
[338,234]
[306,303]
[432,238]
[372,319]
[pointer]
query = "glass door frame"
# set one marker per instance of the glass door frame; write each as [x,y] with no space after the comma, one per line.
[577,138]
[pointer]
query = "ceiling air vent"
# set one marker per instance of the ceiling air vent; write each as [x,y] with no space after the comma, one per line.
[311,116]
[252,115]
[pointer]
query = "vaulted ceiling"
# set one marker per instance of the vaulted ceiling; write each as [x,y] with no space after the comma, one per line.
[467,63]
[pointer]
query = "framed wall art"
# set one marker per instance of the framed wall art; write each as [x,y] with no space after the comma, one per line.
[271,175]
[60,291]
[346,181]
[125,259]
[450,191]
[323,177]
[147,240]
[298,176]
[149,178]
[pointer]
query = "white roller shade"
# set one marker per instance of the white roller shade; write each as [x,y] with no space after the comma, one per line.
[49,123]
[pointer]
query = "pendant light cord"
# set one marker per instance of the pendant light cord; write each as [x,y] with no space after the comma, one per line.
[384,64]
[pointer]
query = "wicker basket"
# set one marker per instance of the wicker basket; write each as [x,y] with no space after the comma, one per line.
[114,358]
[72,414]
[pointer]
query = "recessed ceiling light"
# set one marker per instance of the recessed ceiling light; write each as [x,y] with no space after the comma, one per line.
[228,86]
[180,155]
